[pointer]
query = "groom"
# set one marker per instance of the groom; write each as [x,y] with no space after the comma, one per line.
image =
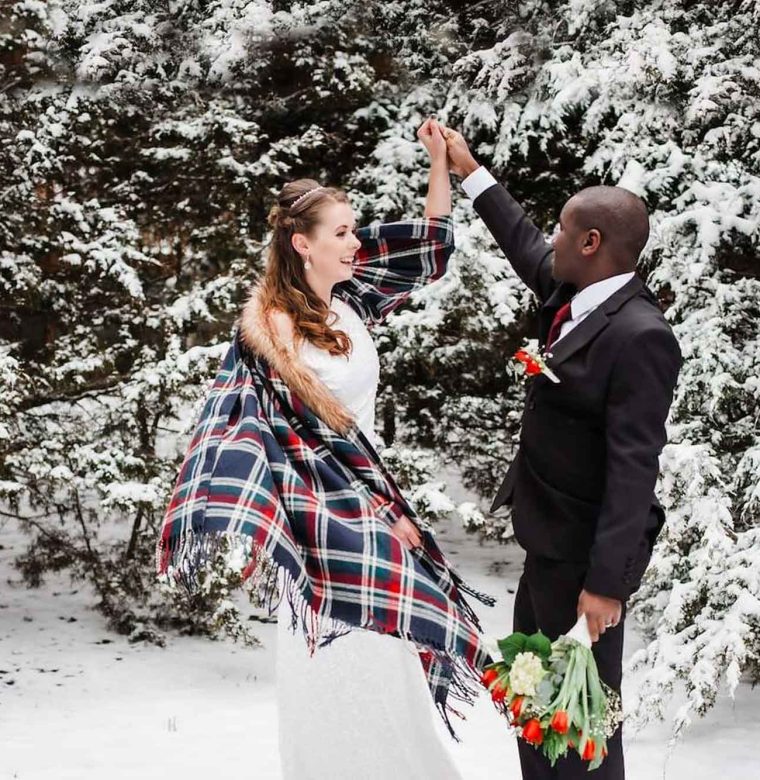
[581,485]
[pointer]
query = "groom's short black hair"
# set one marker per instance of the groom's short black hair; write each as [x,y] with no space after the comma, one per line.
[619,215]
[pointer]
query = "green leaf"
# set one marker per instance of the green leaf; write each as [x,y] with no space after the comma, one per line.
[554,746]
[540,645]
[512,645]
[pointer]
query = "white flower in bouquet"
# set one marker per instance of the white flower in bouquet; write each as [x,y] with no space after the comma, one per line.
[526,673]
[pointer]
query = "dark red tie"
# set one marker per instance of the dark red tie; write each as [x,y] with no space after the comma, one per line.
[562,315]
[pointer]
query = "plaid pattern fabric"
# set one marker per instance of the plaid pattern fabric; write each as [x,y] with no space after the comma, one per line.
[263,469]
[395,259]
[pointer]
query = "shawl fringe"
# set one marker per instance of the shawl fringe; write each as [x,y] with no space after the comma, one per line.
[184,557]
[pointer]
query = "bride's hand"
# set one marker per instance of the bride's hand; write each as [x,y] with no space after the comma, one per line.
[430,134]
[405,530]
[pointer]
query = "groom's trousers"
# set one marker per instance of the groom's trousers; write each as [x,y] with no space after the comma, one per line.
[547,599]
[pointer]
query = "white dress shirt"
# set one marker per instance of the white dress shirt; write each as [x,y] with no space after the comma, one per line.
[478,181]
[585,300]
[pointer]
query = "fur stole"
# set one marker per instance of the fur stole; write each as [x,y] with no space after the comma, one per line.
[259,335]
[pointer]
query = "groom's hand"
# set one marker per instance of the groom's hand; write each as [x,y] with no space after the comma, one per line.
[461,161]
[601,613]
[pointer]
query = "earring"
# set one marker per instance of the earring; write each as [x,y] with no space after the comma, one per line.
[307,264]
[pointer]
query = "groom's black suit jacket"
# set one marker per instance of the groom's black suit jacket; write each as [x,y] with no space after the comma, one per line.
[581,484]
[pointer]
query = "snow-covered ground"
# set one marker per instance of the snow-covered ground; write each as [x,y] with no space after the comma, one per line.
[78,703]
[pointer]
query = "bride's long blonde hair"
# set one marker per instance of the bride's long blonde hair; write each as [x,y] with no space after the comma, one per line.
[284,286]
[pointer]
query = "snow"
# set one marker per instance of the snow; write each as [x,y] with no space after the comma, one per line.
[208,708]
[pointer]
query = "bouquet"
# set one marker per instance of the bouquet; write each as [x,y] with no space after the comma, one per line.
[552,694]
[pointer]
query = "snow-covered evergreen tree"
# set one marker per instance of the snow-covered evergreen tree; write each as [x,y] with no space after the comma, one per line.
[142,145]
[663,98]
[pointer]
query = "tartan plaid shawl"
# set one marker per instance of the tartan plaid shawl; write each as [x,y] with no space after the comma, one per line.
[265,470]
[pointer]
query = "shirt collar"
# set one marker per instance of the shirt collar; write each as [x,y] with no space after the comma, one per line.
[597,293]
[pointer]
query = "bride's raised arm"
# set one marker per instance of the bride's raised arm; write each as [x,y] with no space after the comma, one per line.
[438,202]
[397,258]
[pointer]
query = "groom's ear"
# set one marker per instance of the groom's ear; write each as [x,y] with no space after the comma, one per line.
[592,241]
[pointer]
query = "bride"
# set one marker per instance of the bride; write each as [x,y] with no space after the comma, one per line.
[361,707]
[285,458]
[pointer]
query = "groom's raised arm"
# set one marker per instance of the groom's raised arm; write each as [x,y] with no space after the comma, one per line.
[518,237]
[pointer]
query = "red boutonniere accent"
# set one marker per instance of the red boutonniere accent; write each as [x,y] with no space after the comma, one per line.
[534,363]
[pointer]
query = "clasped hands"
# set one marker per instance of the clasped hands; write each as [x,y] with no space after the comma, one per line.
[447,147]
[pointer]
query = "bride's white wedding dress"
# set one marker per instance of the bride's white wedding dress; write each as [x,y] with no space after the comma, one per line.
[361,706]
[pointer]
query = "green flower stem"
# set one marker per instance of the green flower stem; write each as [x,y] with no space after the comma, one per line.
[584,695]
[562,699]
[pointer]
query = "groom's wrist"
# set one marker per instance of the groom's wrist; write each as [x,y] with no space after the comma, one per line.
[607,583]
[470,166]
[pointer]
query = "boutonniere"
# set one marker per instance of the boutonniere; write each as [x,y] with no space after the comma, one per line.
[533,361]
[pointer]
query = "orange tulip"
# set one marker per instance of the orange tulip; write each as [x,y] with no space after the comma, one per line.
[532,732]
[499,691]
[559,722]
[516,706]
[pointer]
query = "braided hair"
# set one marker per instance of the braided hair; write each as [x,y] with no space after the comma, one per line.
[298,210]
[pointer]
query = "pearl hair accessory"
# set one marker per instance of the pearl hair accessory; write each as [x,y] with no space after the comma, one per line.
[301,197]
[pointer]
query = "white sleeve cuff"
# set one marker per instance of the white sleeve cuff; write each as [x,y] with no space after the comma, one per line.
[478,181]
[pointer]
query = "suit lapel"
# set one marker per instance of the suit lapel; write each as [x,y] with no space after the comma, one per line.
[581,334]
[593,324]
